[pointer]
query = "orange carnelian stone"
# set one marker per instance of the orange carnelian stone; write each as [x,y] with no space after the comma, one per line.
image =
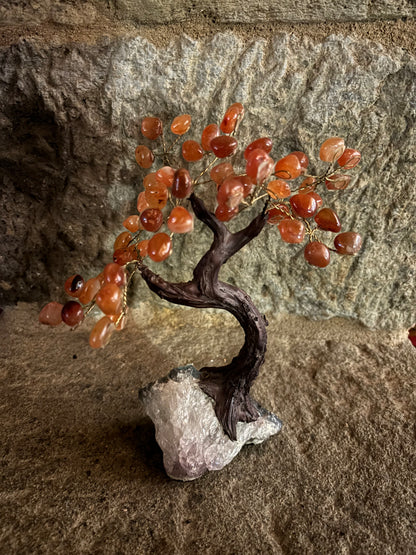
[291,231]
[230,192]
[288,167]
[210,132]
[89,291]
[113,273]
[182,184]
[51,314]
[224,146]
[337,182]
[156,195]
[192,151]
[159,247]
[308,185]
[328,220]
[277,214]
[151,128]
[165,175]
[72,313]
[181,124]
[221,171]
[318,198]
[349,159]
[122,240]
[74,285]
[264,143]
[331,149]
[224,213]
[132,223]
[303,159]
[180,220]
[141,202]
[144,156]
[108,298]
[259,165]
[101,332]
[303,205]
[247,183]
[317,254]
[232,116]
[348,242]
[151,219]
[278,189]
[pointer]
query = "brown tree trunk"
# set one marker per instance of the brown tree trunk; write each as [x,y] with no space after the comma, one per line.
[228,385]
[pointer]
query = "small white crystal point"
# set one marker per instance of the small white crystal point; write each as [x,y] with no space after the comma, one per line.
[188,431]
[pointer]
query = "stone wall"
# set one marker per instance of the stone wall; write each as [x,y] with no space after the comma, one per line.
[79,12]
[70,116]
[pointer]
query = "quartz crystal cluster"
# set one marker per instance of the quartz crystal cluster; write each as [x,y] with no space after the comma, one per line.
[188,431]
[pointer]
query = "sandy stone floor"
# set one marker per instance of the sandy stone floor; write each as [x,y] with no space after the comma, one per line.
[81,472]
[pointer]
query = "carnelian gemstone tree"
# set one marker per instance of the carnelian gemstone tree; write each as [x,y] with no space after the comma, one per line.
[279,190]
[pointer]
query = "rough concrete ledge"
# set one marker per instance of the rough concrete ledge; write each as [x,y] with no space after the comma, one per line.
[81,472]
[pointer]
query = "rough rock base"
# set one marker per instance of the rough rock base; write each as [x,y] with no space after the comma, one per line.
[188,431]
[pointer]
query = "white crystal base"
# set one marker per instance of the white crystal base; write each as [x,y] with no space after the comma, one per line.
[188,431]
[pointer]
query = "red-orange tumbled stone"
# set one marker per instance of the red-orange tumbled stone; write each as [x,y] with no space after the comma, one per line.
[224,146]
[291,231]
[132,223]
[221,171]
[113,273]
[142,247]
[303,205]
[210,132]
[156,195]
[303,159]
[230,192]
[181,124]
[224,213]
[182,184]
[337,182]
[51,314]
[331,149]
[142,203]
[151,128]
[101,332]
[278,188]
[123,256]
[348,242]
[264,143]
[288,167]
[259,165]
[159,247]
[151,219]
[349,159]
[180,220]
[247,182]
[144,156]
[165,175]
[74,285]
[192,151]
[89,291]
[108,298]
[317,254]
[277,214]
[328,220]
[72,313]
[318,198]
[233,114]
[308,185]
[122,240]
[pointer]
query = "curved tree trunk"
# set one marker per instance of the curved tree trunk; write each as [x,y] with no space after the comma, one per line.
[228,385]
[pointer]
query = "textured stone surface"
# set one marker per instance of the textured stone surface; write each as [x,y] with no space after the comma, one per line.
[79,12]
[188,431]
[70,117]
[81,471]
